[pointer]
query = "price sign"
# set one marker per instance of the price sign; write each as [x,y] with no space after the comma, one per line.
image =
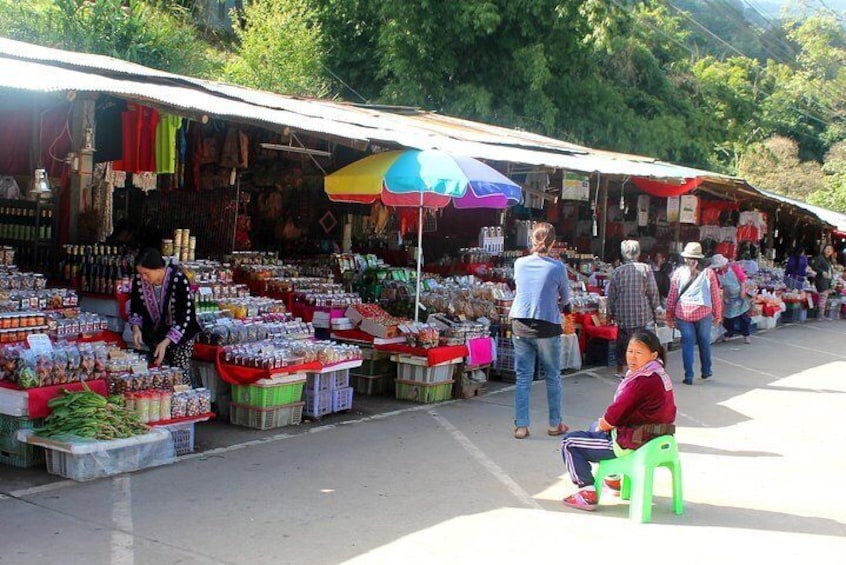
[40,344]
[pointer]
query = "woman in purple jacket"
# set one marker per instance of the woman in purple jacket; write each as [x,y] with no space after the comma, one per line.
[796,269]
[643,408]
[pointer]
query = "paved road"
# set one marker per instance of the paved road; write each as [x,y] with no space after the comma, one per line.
[762,452]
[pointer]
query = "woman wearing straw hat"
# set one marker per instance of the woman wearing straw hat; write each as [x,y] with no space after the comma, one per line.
[694,305]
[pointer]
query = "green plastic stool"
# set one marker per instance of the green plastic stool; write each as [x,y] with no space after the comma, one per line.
[637,470]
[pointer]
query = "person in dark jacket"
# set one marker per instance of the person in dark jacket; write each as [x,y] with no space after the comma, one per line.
[662,269]
[796,269]
[823,267]
[644,407]
[162,313]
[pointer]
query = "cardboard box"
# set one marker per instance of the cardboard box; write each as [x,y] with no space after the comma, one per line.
[379,330]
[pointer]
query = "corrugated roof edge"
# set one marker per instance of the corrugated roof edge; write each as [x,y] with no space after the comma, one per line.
[353,114]
[516,138]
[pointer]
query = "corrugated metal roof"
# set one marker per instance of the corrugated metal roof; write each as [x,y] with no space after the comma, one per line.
[31,76]
[831,217]
[34,68]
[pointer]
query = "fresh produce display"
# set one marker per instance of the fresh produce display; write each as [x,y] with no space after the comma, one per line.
[86,414]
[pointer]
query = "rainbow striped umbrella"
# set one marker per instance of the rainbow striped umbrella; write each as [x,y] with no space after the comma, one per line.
[422,179]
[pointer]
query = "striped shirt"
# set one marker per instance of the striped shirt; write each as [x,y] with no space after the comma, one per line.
[690,312]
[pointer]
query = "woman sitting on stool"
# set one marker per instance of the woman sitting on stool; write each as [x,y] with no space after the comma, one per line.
[643,408]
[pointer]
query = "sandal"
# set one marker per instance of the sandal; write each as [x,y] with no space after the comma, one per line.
[615,483]
[521,433]
[558,430]
[582,500]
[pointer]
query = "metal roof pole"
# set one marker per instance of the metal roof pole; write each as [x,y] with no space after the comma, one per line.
[603,214]
[82,118]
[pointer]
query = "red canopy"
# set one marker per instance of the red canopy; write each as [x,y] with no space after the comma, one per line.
[665,189]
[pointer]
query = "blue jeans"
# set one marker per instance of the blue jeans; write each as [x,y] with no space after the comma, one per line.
[526,351]
[693,333]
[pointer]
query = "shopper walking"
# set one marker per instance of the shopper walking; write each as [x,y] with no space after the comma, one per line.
[823,267]
[736,303]
[633,300]
[796,270]
[162,313]
[543,289]
[694,305]
[644,408]
[662,270]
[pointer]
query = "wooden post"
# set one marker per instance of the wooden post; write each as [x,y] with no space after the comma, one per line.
[603,214]
[82,131]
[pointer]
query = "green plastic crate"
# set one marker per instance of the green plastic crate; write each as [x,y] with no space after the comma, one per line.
[424,393]
[266,418]
[13,452]
[268,395]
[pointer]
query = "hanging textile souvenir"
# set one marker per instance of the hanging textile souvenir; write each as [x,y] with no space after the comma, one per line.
[689,206]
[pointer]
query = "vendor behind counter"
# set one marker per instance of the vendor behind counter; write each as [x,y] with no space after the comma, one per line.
[162,312]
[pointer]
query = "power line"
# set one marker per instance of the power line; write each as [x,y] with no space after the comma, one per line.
[764,70]
[745,26]
[339,79]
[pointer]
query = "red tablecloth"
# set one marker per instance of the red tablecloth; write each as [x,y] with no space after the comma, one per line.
[590,331]
[204,352]
[352,335]
[237,375]
[434,355]
[37,398]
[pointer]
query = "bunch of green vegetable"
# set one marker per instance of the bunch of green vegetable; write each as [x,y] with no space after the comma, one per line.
[88,415]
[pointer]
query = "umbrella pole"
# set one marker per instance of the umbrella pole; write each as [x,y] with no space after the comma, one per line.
[419,258]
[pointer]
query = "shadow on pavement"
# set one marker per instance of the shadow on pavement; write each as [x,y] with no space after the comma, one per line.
[703,450]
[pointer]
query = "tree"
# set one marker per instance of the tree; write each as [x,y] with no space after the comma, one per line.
[833,193]
[281,49]
[131,30]
[775,165]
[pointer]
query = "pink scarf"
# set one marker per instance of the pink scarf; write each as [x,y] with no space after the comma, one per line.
[653,367]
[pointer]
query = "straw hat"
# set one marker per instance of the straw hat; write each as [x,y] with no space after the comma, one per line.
[719,261]
[693,250]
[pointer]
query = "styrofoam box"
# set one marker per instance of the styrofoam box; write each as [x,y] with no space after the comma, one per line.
[424,374]
[87,460]
[14,402]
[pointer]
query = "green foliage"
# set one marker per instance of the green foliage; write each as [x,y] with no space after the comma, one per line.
[832,194]
[132,30]
[774,165]
[280,49]
[708,84]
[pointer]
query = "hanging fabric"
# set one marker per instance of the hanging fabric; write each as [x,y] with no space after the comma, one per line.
[665,189]
[166,132]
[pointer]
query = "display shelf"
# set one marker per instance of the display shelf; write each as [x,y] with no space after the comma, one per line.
[29,227]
